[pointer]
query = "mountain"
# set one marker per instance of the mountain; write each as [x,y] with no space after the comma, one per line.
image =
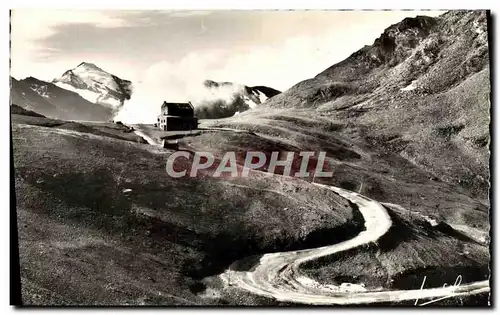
[225,99]
[421,90]
[252,95]
[433,53]
[22,95]
[18,110]
[52,101]
[96,85]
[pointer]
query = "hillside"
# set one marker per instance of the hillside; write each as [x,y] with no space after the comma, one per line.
[421,91]
[415,107]
[113,228]
[22,95]
[52,101]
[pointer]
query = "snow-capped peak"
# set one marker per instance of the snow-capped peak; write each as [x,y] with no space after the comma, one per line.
[95,85]
[89,66]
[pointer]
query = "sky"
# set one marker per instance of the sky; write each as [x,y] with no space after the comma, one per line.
[168,54]
[273,48]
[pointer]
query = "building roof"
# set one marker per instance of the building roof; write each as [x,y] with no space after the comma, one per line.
[178,105]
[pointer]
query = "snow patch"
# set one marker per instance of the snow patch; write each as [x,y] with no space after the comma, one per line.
[95,78]
[430,220]
[262,97]
[40,90]
[91,96]
[250,102]
[86,94]
[478,28]
[410,87]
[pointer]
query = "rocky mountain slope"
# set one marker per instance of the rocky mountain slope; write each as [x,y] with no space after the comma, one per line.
[422,90]
[96,85]
[226,99]
[52,101]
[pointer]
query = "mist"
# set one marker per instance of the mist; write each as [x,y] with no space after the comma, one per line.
[182,82]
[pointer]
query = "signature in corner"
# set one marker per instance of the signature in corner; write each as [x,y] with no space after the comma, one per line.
[457,283]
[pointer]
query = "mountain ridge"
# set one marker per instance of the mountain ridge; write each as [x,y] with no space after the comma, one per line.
[52,101]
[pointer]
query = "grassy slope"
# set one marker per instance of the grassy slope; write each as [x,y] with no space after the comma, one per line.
[384,176]
[186,229]
[112,130]
[83,240]
[413,248]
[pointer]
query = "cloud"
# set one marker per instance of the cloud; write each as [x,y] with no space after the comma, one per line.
[28,27]
[182,14]
[180,81]
[277,66]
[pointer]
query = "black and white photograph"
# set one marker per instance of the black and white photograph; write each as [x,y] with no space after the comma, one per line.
[256,158]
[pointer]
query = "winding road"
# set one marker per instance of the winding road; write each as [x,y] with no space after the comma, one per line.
[146,137]
[277,275]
